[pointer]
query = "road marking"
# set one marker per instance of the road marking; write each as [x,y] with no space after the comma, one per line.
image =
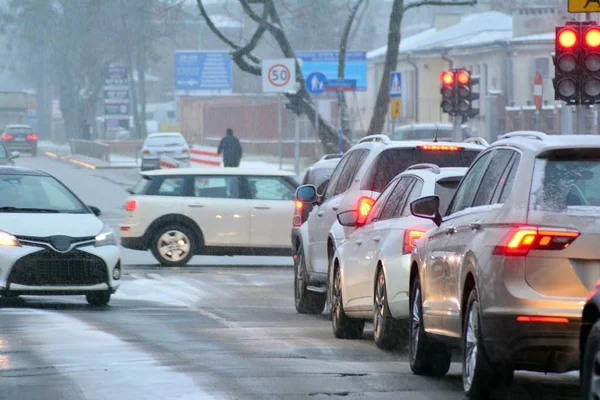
[135,276]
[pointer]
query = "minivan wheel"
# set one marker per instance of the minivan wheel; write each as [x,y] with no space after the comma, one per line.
[425,356]
[307,302]
[343,327]
[480,379]
[173,245]
[386,329]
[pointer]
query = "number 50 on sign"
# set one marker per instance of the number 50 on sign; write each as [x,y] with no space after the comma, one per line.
[279,75]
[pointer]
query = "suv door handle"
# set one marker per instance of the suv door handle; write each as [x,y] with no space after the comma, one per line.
[450,231]
[196,205]
[262,207]
[377,238]
[475,225]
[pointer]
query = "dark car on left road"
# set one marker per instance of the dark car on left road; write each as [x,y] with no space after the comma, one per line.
[20,138]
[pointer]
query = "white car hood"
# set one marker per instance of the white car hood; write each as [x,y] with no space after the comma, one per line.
[42,225]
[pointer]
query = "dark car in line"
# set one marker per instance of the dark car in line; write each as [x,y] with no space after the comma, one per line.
[20,138]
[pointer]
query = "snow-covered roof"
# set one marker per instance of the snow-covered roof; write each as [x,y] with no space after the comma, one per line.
[472,30]
[539,37]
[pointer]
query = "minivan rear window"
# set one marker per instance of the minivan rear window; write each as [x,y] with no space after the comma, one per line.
[393,161]
[566,179]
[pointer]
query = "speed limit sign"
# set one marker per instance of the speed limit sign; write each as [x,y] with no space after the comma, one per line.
[279,75]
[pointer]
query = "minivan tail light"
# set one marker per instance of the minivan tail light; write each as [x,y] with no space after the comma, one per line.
[439,147]
[520,240]
[365,204]
[410,238]
[131,205]
[32,137]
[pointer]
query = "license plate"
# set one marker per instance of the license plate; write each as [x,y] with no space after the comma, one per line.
[19,139]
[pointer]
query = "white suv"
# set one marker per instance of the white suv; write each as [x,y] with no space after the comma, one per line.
[359,178]
[178,213]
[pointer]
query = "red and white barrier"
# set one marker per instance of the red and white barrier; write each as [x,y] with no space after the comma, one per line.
[170,162]
[204,156]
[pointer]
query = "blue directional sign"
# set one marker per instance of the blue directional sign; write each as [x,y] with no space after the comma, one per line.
[396,85]
[315,83]
[326,62]
[203,70]
[332,85]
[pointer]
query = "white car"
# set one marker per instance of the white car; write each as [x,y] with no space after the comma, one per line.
[178,213]
[51,242]
[372,267]
[171,144]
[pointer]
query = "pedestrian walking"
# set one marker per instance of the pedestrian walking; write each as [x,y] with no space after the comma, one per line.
[231,149]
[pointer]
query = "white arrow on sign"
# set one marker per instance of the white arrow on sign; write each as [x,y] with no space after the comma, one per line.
[191,82]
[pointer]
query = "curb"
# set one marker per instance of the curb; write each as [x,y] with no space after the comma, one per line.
[84,164]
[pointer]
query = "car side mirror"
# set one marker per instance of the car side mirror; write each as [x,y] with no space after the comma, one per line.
[307,194]
[15,154]
[427,207]
[95,210]
[348,218]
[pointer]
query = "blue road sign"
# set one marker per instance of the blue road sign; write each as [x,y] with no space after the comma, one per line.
[326,62]
[396,85]
[203,70]
[333,85]
[315,82]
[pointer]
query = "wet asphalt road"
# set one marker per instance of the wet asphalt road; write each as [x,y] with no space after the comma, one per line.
[213,330]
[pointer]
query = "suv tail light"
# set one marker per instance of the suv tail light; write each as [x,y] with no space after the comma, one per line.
[365,204]
[520,240]
[439,147]
[298,213]
[32,137]
[7,136]
[410,238]
[131,205]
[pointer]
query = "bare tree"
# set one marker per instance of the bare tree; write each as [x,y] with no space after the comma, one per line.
[391,57]
[242,54]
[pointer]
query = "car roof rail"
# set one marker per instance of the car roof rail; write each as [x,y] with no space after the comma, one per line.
[385,139]
[477,140]
[331,156]
[525,134]
[436,170]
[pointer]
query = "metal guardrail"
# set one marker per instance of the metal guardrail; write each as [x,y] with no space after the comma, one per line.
[88,148]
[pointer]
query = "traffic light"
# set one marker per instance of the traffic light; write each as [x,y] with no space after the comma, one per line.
[448,96]
[464,83]
[590,83]
[566,62]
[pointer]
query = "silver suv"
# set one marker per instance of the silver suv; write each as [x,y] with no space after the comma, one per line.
[505,273]
[359,178]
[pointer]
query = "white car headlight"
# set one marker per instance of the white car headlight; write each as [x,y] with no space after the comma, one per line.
[6,239]
[106,237]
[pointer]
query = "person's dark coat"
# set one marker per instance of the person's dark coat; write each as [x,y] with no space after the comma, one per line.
[231,149]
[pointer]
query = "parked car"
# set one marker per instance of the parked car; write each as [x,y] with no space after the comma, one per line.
[506,271]
[315,175]
[590,345]
[371,268]
[52,243]
[178,213]
[170,144]
[361,175]
[20,138]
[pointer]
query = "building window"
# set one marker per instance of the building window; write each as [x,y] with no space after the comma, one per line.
[541,64]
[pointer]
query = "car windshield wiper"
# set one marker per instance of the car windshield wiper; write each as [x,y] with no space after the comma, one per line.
[28,210]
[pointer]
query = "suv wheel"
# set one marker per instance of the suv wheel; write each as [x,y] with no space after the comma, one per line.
[307,302]
[425,356]
[173,246]
[590,367]
[480,379]
[343,327]
[387,330]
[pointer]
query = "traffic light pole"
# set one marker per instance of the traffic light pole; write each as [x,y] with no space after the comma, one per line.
[580,120]
[456,128]
[280,129]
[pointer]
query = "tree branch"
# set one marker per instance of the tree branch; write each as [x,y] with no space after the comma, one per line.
[440,3]
[262,27]
[254,16]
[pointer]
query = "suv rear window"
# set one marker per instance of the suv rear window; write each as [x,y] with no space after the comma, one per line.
[565,179]
[20,130]
[393,161]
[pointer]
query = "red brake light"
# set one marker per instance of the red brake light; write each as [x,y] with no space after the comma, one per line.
[447,78]
[131,205]
[7,136]
[410,238]
[567,38]
[463,77]
[365,204]
[552,320]
[519,241]
[31,137]
[439,147]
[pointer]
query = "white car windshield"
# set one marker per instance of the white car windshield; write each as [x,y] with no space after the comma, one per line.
[35,193]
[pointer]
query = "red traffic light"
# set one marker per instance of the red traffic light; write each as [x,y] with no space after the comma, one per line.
[447,78]
[463,77]
[567,38]
[592,37]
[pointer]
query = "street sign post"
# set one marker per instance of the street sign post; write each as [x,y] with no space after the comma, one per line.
[315,82]
[584,6]
[116,98]
[203,72]
[326,63]
[396,108]
[279,76]
[537,99]
[340,85]
[395,84]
